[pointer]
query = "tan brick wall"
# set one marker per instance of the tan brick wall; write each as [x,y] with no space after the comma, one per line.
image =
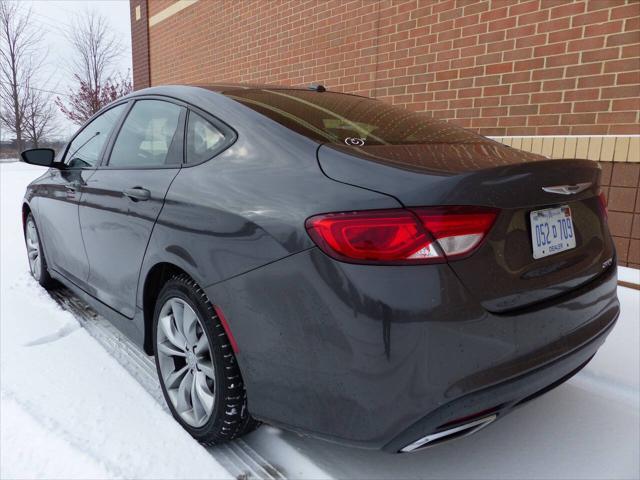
[609,148]
[621,184]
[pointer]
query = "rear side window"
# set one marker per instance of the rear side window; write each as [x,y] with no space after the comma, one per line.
[203,139]
[150,136]
[350,120]
[84,151]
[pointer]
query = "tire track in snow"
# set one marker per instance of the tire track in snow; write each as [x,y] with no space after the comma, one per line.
[237,457]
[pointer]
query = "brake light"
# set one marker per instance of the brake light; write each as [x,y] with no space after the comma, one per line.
[458,230]
[602,200]
[400,236]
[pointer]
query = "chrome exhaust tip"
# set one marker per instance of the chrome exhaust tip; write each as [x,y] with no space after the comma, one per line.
[449,434]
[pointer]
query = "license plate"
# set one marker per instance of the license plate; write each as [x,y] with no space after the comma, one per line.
[552,231]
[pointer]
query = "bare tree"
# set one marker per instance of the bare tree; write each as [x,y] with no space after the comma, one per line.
[19,61]
[97,50]
[39,117]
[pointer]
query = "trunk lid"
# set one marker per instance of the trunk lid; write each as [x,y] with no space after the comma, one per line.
[502,274]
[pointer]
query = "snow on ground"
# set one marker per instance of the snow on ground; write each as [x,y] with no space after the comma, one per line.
[69,409]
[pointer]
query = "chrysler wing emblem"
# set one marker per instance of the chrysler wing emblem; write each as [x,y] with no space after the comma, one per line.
[567,189]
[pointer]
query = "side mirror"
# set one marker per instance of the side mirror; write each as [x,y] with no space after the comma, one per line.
[39,156]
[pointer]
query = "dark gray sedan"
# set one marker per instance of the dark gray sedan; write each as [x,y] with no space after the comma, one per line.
[325,262]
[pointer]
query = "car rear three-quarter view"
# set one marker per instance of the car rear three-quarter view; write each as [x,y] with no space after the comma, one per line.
[328,263]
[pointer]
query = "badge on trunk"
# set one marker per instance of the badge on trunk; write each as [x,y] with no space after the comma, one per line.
[567,189]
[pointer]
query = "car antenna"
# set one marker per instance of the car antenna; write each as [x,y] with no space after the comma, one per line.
[317,87]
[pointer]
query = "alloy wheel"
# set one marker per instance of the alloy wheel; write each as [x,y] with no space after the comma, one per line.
[33,250]
[186,363]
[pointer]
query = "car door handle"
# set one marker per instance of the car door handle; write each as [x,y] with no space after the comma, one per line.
[72,185]
[137,194]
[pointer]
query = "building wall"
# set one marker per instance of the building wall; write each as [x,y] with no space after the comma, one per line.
[534,67]
[523,71]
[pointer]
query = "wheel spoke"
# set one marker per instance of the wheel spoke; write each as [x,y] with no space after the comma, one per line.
[169,349]
[184,394]
[199,409]
[204,394]
[177,310]
[189,324]
[202,347]
[169,330]
[173,378]
[206,367]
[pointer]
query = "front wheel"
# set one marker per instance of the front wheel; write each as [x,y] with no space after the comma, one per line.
[197,368]
[37,262]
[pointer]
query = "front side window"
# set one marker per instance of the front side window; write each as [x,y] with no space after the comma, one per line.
[149,136]
[203,139]
[84,151]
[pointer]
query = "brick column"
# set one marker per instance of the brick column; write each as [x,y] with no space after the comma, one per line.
[140,43]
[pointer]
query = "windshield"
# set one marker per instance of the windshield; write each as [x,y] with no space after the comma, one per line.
[351,120]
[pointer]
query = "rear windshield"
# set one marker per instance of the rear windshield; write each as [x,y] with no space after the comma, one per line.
[351,120]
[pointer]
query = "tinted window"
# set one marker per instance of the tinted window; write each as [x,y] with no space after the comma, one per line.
[84,150]
[149,136]
[351,120]
[203,139]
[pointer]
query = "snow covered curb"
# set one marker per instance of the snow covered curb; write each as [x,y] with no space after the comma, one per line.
[629,275]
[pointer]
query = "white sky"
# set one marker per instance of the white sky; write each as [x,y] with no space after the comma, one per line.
[54,18]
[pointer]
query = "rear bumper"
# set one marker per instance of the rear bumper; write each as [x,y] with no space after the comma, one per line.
[378,356]
[501,399]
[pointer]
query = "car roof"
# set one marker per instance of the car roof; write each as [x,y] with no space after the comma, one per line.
[222,88]
[184,90]
[230,87]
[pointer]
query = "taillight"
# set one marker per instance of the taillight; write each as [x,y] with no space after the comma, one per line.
[400,236]
[602,200]
[458,230]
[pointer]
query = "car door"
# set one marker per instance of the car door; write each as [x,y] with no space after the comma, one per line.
[61,190]
[123,198]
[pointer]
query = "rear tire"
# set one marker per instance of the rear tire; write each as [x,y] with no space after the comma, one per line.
[35,252]
[197,369]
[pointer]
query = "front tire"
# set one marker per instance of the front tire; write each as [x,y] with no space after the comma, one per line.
[35,252]
[197,369]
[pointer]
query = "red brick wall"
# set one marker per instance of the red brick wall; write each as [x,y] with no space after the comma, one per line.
[140,44]
[501,67]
